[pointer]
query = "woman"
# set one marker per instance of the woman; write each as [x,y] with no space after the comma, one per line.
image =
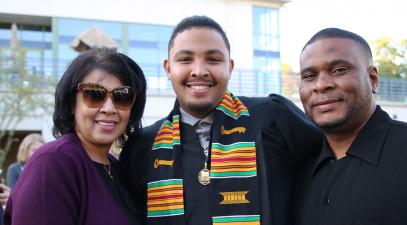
[74,180]
[27,147]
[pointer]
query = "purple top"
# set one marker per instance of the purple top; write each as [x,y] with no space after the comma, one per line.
[60,185]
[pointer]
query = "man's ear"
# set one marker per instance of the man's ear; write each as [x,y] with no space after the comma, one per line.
[231,67]
[167,68]
[374,78]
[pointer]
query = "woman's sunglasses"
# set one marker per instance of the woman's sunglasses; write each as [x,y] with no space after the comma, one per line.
[94,95]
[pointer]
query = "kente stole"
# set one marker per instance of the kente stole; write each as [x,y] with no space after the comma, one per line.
[234,184]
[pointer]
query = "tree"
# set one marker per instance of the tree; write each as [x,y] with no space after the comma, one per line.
[286,68]
[391,57]
[22,94]
[290,81]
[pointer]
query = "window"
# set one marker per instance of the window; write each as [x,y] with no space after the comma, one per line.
[35,41]
[148,47]
[69,29]
[144,43]
[266,52]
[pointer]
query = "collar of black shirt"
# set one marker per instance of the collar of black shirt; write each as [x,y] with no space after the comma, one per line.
[367,146]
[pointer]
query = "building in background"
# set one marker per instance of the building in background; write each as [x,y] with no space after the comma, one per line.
[46,28]
[45,31]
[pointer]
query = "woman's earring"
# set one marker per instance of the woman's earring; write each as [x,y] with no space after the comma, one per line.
[132,130]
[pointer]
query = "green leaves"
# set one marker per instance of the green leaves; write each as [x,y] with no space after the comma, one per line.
[391,57]
[23,94]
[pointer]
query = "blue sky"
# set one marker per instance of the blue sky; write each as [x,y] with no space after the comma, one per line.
[371,19]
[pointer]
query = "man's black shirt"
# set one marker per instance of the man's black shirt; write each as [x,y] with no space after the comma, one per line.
[367,186]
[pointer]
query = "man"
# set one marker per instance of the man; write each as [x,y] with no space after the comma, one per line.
[360,175]
[217,158]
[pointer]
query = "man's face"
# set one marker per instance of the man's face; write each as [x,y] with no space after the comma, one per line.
[199,67]
[337,83]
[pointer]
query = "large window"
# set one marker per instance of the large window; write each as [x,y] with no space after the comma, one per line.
[68,29]
[48,52]
[34,41]
[148,46]
[144,43]
[266,52]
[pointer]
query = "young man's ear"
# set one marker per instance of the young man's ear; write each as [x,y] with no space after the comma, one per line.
[167,68]
[231,66]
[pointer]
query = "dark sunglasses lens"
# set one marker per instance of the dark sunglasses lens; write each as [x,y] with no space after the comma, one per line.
[123,97]
[94,97]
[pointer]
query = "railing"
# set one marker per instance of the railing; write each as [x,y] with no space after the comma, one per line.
[392,89]
[250,83]
[242,82]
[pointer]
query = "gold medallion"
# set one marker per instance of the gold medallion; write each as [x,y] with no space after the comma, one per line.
[204,176]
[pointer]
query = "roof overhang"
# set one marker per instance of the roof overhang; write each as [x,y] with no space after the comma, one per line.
[278,3]
[25,19]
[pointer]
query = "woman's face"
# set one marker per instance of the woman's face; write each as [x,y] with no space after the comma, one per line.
[98,127]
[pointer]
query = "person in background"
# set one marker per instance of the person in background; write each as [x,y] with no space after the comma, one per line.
[27,147]
[360,175]
[4,195]
[217,158]
[73,180]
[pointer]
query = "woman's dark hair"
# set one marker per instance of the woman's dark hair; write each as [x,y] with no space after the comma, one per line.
[110,61]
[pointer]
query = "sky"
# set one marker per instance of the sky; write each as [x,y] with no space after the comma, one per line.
[371,19]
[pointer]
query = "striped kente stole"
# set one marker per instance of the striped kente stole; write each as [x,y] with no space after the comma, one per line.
[234,184]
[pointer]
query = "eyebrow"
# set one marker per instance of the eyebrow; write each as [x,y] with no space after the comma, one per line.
[189,52]
[331,63]
[215,51]
[186,52]
[338,61]
[310,68]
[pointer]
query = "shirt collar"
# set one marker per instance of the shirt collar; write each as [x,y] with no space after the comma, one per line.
[325,156]
[367,145]
[192,120]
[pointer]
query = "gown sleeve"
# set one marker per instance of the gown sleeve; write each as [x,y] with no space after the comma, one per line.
[302,137]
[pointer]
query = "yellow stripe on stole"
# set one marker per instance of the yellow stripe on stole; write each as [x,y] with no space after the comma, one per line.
[164,193]
[165,187]
[239,223]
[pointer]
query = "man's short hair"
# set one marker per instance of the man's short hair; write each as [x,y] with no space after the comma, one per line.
[328,33]
[197,22]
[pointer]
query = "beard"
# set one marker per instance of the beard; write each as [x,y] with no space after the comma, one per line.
[330,124]
[202,109]
[353,114]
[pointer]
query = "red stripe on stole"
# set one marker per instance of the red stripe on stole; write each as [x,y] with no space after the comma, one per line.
[253,158]
[164,133]
[174,196]
[228,100]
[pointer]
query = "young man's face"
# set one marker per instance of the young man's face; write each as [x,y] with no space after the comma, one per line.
[199,67]
[337,82]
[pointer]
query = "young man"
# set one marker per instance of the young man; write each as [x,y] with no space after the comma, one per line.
[217,158]
[360,175]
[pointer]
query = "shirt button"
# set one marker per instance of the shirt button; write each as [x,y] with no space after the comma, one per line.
[327,201]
